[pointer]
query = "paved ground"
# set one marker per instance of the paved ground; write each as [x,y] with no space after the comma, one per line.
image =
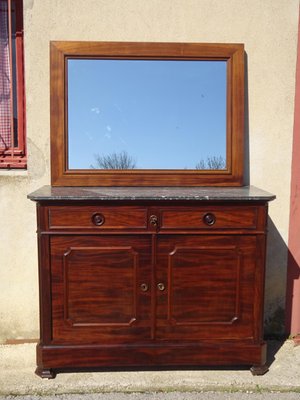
[165,396]
[17,378]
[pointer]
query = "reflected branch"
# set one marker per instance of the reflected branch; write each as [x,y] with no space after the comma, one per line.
[114,161]
[213,162]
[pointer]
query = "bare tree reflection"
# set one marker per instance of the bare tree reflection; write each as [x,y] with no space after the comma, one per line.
[214,162]
[114,161]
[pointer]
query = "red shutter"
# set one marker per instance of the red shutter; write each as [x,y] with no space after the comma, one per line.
[12,132]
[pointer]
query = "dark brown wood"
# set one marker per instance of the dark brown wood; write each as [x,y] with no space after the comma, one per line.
[174,292]
[193,217]
[96,289]
[207,295]
[232,53]
[259,369]
[229,353]
[83,218]
[44,279]
[46,373]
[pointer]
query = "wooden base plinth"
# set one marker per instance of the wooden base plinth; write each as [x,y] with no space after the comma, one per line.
[53,358]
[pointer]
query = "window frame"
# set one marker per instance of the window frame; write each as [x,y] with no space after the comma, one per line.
[15,157]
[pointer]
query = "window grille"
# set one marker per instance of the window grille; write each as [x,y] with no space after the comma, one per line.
[12,119]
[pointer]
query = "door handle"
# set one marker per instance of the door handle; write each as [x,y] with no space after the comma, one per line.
[161,286]
[153,220]
[144,287]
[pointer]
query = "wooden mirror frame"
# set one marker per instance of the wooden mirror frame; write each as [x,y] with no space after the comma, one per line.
[232,53]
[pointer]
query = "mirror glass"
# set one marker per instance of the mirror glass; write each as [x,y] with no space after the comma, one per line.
[146,114]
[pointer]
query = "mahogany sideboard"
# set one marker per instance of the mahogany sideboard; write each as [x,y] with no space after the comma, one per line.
[151,277]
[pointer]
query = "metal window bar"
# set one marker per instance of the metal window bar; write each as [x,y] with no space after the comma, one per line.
[12,143]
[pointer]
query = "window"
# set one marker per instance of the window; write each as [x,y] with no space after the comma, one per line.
[12,118]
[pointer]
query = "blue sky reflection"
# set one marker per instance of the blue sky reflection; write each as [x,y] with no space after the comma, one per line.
[164,114]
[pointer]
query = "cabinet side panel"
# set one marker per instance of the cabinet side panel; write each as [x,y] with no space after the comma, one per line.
[44,278]
[259,286]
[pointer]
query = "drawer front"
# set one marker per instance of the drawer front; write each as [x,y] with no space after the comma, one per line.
[97,217]
[210,217]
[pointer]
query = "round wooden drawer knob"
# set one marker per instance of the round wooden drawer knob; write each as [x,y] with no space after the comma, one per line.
[209,219]
[98,219]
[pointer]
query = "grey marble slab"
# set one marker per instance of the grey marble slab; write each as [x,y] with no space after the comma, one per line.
[244,193]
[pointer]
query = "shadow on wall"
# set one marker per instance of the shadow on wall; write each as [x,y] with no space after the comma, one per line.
[276,268]
[275,283]
[277,253]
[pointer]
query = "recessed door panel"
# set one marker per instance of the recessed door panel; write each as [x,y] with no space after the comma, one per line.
[97,288]
[92,295]
[203,285]
[208,287]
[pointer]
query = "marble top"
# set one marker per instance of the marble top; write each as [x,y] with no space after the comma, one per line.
[244,193]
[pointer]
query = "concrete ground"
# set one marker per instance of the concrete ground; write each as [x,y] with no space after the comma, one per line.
[17,365]
[164,396]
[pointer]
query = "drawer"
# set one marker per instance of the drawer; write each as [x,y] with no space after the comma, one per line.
[97,217]
[211,217]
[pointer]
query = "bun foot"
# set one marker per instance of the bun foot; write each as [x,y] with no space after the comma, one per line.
[259,369]
[45,373]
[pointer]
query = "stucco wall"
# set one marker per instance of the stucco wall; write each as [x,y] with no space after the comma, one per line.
[269,30]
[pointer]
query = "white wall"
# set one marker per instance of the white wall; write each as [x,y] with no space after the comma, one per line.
[268,28]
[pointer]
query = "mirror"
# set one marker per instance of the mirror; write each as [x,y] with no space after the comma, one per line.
[146,114]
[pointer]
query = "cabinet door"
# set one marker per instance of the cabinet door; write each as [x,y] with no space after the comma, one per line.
[207,287]
[99,288]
